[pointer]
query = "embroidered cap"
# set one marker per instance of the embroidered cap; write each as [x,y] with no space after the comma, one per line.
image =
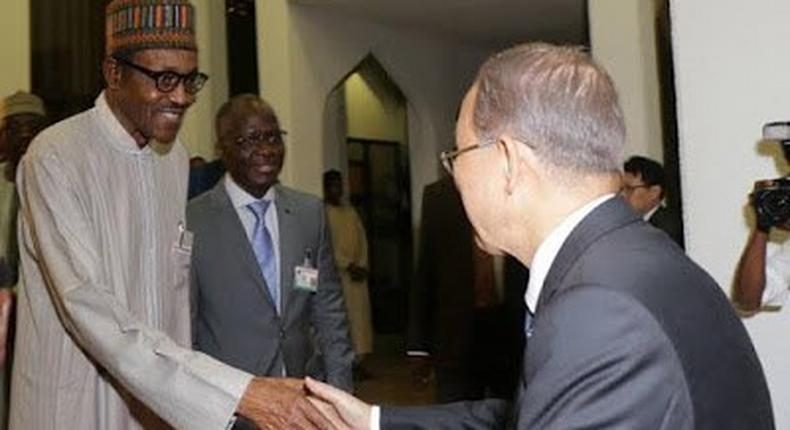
[133,25]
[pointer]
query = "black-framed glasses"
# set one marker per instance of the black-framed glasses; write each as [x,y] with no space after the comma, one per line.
[448,157]
[167,80]
[628,189]
[272,138]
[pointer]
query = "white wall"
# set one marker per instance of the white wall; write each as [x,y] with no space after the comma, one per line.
[305,51]
[622,37]
[732,76]
[15,46]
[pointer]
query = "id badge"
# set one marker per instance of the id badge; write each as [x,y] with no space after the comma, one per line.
[306,279]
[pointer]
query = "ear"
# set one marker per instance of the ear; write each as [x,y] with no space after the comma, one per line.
[511,151]
[112,73]
[655,192]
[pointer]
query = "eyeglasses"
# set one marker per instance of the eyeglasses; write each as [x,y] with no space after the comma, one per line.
[270,138]
[448,157]
[166,81]
[628,189]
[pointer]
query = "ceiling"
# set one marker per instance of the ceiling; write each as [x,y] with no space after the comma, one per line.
[479,22]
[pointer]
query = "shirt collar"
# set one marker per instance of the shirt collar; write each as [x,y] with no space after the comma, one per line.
[548,249]
[119,137]
[646,217]
[241,198]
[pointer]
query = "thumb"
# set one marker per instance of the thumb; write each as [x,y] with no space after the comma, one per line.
[324,391]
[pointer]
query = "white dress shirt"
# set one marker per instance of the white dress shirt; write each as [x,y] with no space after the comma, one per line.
[550,247]
[777,274]
[241,200]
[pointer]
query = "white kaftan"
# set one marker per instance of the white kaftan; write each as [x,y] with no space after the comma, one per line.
[103,311]
[349,245]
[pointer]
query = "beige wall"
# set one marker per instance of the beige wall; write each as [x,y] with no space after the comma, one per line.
[15,46]
[731,78]
[198,130]
[622,36]
[371,115]
[305,51]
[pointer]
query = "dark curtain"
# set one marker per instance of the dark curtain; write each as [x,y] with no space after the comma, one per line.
[67,43]
[666,75]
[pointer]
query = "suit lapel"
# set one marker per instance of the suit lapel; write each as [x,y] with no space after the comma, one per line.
[610,215]
[289,243]
[231,228]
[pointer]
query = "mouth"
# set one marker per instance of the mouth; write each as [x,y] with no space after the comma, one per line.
[264,169]
[171,114]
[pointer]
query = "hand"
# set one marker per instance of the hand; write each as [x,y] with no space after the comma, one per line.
[279,403]
[420,371]
[6,300]
[357,273]
[764,222]
[346,411]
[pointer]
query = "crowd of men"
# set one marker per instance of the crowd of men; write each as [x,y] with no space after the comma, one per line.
[138,309]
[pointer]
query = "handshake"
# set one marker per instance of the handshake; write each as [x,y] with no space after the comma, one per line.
[285,403]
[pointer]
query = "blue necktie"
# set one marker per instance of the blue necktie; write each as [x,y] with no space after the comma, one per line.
[264,250]
[528,320]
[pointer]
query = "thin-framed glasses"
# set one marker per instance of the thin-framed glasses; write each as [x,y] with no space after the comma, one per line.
[167,80]
[448,157]
[270,138]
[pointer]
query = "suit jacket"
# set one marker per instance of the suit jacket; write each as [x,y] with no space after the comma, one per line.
[203,178]
[442,296]
[233,315]
[629,333]
[664,220]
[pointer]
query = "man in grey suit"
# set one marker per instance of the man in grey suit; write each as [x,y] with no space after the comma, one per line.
[624,331]
[265,294]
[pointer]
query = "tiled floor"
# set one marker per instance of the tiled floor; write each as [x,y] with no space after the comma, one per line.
[391,383]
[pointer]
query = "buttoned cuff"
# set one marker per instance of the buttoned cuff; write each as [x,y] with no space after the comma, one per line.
[375,418]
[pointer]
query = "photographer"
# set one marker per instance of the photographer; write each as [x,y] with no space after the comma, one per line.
[764,270]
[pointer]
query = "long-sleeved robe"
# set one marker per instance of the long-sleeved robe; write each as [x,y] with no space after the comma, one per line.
[103,311]
[350,245]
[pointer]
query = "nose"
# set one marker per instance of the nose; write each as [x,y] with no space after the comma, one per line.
[181,96]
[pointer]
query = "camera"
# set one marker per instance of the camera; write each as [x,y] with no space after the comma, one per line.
[771,197]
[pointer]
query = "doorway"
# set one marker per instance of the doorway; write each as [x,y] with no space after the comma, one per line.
[366,138]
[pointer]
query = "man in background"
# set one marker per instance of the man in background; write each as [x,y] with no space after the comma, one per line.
[458,323]
[644,186]
[350,248]
[22,117]
[763,277]
[265,294]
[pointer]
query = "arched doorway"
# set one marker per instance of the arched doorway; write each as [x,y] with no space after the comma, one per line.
[366,138]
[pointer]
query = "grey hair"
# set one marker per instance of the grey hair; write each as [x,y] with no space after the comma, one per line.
[557,101]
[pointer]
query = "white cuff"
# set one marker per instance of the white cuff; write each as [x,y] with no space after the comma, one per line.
[375,417]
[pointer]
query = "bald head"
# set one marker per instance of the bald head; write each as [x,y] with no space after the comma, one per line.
[233,112]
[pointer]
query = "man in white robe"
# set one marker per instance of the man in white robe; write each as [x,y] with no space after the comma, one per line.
[103,310]
[350,248]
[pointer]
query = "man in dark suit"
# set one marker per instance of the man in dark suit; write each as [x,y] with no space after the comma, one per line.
[265,294]
[643,188]
[459,323]
[624,330]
